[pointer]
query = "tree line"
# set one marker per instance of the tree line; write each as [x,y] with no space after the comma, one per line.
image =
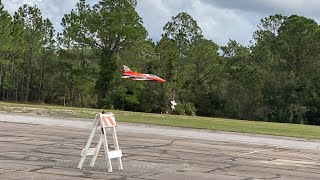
[275,78]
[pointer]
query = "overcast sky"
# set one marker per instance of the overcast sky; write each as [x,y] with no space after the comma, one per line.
[220,20]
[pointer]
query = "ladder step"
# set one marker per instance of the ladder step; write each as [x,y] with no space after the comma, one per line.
[88,152]
[115,154]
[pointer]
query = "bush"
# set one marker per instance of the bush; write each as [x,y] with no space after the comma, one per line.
[185,109]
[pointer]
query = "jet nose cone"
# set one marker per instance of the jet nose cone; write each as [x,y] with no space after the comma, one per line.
[161,80]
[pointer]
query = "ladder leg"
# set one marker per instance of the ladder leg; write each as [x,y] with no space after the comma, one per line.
[96,153]
[106,150]
[116,145]
[88,144]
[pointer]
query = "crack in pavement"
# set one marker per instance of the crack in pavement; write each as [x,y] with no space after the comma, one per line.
[8,171]
[151,146]
[40,168]
[277,176]
[221,169]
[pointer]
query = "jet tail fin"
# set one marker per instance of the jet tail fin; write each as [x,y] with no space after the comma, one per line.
[126,69]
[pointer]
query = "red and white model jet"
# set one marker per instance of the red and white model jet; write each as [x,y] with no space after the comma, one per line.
[140,77]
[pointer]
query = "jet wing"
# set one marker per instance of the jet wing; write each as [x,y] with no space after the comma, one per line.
[140,79]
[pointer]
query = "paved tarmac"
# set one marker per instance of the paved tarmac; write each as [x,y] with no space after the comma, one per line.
[36,147]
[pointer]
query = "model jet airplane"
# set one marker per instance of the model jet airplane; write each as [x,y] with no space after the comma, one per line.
[140,77]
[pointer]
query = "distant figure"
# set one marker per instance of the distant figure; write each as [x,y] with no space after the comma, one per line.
[173,104]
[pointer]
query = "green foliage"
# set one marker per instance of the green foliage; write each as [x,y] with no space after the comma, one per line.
[167,65]
[185,109]
[128,96]
[183,29]
[181,32]
[108,26]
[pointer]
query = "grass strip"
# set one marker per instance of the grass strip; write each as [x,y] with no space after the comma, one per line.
[220,124]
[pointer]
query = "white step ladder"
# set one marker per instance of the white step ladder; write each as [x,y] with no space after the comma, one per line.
[103,121]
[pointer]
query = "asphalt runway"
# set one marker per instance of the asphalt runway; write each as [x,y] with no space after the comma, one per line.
[36,147]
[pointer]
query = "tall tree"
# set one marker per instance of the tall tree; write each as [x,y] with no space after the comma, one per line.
[109,26]
[265,54]
[205,75]
[5,48]
[46,56]
[300,49]
[269,25]
[77,57]
[168,59]
[244,81]
[183,31]
[36,38]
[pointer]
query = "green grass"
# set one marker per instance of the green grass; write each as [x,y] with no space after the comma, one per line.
[257,127]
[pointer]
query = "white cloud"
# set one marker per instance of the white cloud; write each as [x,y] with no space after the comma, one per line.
[308,8]
[154,15]
[218,24]
[220,20]
[53,9]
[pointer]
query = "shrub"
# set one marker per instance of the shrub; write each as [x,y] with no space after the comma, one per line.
[185,109]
